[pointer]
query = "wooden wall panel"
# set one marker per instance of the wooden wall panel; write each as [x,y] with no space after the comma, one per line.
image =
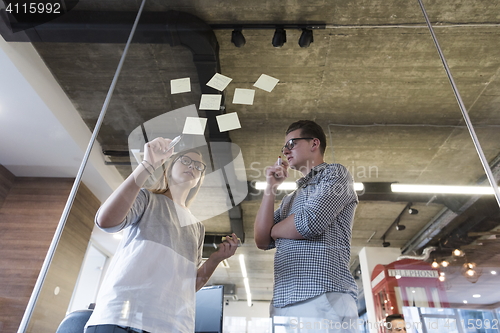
[63,273]
[6,181]
[28,219]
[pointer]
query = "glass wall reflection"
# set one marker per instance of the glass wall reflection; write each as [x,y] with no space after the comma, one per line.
[390,117]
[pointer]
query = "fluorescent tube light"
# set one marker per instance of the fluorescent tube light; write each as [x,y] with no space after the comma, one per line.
[283,186]
[445,189]
[359,187]
[247,289]
[292,186]
[247,285]
[245,279]
[242,265]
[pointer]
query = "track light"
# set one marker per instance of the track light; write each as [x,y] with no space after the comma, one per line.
[399,227]
[237,38]
[306,38]
[279,37]
[385,244]
[412,211]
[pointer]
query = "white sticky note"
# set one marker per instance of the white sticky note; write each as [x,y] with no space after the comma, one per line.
[210,101]
[219,81]
[243,96]
[228,122]
[266,82]
[194,125]
[178,86]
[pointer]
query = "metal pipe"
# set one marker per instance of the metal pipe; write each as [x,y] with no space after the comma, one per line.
[426,253]
[472,132]
[69,203]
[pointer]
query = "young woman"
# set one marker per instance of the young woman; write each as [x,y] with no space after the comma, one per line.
[151,283]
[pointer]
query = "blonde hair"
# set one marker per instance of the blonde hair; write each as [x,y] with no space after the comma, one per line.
[161,185]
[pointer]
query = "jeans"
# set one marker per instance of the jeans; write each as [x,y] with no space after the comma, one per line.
[326,313]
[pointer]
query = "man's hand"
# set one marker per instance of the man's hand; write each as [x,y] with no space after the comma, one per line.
[276,174]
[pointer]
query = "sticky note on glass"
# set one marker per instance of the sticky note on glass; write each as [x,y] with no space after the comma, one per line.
[178,86]
[228,122]
[266,82]
[194,125]
[243,96]
[219,81]
[210,101]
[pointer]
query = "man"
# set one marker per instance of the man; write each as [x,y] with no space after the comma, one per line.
[395,323]
[311,231]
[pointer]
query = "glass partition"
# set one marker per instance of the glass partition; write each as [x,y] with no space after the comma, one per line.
[379,91]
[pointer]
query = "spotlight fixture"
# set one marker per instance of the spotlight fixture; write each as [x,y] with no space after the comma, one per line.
[411,210]
[279,37]
[445,263]
[306,38]
[385,244]
[435,264]
[458,253]
[237,38]
[400,227]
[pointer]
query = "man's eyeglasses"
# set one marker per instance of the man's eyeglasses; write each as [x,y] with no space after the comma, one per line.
[186,160]
[291,143]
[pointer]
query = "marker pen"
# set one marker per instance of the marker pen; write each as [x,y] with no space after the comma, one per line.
[225,238]
[174,142]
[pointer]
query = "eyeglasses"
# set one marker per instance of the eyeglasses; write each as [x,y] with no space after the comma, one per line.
[186,160]
[291,143]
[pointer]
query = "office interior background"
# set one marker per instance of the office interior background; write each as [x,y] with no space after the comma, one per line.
[368,72]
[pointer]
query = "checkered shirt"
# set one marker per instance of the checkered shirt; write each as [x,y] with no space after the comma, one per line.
[324,205]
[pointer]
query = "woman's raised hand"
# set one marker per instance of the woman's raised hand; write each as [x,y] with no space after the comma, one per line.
[156,152]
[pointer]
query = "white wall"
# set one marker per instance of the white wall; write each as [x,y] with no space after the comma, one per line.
[369,257]
[240,318]
[241,309]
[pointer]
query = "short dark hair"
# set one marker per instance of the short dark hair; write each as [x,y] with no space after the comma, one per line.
[309,128]
[392,317]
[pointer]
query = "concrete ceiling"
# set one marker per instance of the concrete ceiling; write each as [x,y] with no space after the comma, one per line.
[372,79]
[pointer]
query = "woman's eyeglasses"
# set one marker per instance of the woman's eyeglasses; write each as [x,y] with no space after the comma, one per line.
[291,143]
[186,160]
